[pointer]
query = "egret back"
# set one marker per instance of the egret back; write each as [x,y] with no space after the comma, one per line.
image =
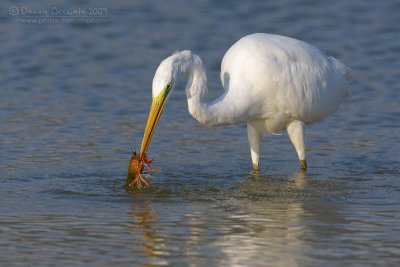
[264,74]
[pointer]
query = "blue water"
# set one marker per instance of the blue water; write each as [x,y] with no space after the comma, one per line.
[74,96]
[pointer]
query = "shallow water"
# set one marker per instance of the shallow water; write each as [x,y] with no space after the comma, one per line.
[73,96]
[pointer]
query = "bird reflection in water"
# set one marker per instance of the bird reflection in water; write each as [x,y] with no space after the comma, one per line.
[260,182]
[258,221]
[270,216]
[298,180]
[143,216]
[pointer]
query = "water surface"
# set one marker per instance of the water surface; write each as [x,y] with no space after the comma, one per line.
[74,96]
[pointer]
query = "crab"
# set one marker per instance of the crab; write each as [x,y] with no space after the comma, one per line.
[139,171]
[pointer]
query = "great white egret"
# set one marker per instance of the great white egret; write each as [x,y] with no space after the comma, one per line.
[271,82]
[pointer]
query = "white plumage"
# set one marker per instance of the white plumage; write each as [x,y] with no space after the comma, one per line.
[271,82]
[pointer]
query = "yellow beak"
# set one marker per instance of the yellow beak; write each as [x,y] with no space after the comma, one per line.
[156,110]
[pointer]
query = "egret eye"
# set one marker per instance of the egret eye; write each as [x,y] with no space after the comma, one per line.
[169,85]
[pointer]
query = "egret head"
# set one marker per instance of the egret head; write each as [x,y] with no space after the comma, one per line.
[164,80]
[165,75]
[169,70]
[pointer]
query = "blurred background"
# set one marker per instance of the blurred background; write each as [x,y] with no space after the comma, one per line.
[75,88]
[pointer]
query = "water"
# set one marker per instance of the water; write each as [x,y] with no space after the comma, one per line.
[73,96]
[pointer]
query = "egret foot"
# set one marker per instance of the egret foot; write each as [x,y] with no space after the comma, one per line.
[255,168]
[303,164]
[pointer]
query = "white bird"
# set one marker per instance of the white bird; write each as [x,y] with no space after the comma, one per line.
[271,82]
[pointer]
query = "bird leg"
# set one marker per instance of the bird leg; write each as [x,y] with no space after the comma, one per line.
[138,171]
[296,134]
[254,142]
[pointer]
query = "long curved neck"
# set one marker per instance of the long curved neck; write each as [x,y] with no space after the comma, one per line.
[196,89]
